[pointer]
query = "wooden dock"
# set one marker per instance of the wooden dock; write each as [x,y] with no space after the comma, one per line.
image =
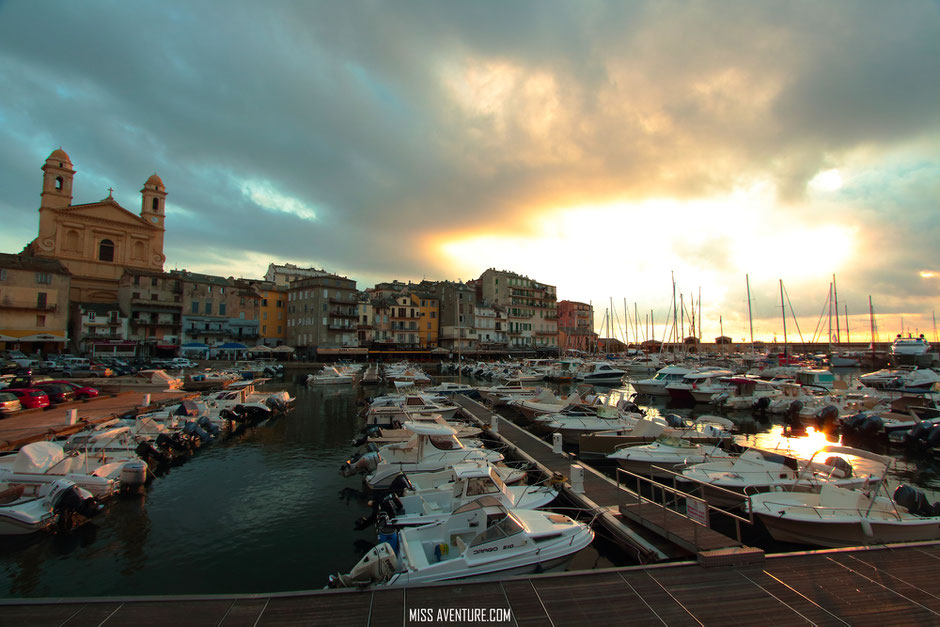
[879,586]
[34,425]
[615,506]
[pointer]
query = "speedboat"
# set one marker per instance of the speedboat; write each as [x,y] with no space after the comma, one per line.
[513,389]
[578,420]
[59,503]
[599,372]
[449,388]
[683,391]
[904,377]
[331,376]
[471,481]
[761,471]
[433,447]
[657,385]
[392,414]
[480,540]
[42,463]
[675,448]
[836,516]
[912,351]
[747,393]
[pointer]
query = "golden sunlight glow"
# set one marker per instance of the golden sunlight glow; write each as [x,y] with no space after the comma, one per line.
[827,181]
[927,274]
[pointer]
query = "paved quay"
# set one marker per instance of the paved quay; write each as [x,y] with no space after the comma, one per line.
[35,424]
[877,586]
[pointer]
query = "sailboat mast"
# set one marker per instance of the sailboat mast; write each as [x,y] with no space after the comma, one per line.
[750,318]
[675,313]
[871,316]
[626,325]
[835,297]
[830,317]
[848,336]
[783,310]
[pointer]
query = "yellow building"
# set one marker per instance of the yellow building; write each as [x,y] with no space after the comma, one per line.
[96,241]
[273,312]
[34,299]
[429,318]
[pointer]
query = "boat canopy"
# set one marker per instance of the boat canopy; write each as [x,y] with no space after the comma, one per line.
[429,428]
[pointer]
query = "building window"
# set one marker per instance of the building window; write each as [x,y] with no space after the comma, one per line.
[153,281]
[40,321]
[279,329]
[91,316]
[3,274]
[41,300]
[208,308]
[195,307]
[154,297]
[221,309]
[58,182]
[264,315]
[44,278]
[106,250]
[156,203]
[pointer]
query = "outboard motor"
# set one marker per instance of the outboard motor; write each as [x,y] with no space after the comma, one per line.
[228,414]
[254,413]
[720,399]
[74,505]
[761,404]
[399,484]
[918,433]
[275,404]
[915,501]
[148,452]
[841,465]
[793,410]
[826,417]
[191,428]
[210,427]
[361,464]
[630,407]
[933,438]
[171,442]
[675,421]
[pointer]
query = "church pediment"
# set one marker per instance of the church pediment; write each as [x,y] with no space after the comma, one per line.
[107,211]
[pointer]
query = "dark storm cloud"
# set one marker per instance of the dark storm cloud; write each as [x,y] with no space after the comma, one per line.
[390,122]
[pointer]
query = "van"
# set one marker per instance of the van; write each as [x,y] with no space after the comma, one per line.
[181,362]
[76,362]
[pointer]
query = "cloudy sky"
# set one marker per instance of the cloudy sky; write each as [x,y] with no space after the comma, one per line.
[597,146]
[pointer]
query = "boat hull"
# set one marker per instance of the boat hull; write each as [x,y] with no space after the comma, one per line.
[849,533]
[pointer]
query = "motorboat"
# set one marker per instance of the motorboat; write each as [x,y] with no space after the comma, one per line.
[761,471]
[545,403]
[676,448]
[480,540]
[60,503]
[599,372]
[449,388]
[912,351]
[433,447]
[499,395]
[836,516]
[657,385]
[577,420]
[393,414]
[747,393]
[471,481]
[683,391]
[901,378]
[331,376]
[40,463]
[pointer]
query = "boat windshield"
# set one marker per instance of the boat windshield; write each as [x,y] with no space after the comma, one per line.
[499,525]
[445,442]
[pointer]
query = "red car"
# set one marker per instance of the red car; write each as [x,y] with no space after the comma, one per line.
[81,391]
[30,398]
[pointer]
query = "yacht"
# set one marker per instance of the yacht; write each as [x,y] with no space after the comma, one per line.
[683,391]
[600,372]
[912,351]
[675,448]
[836,516]
[903,377]
[480,540]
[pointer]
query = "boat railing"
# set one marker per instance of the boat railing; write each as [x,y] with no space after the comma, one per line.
[829,510]
[689,502]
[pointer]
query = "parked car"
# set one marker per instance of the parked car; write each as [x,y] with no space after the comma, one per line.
[19,357]
[8,366]
[81,391]
[28,380]
[93,371]
[9,403]
[182,362]
[30,398]
[57,392]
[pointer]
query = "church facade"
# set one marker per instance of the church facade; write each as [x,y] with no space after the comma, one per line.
[97,241]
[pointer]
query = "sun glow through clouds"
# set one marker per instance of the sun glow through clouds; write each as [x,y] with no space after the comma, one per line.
[263,194]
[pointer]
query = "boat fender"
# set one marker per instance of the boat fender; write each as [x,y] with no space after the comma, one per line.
[866,527]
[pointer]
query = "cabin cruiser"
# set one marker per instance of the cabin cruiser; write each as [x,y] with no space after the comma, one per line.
[433,447]
[513,389]
[331,376]
[904,377]
[912,351]
[480,540]
[836,516]
[675,448]
[599,372]
[683,391]
[657,385]
[392,413]
[747,393]
[547,403]
[761,471]
[60,503]
[577,420]
[471,481]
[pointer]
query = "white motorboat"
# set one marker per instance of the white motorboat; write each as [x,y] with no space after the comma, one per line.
[499,395]
[683,391]
[600,372]
[912,351]
[747,393]
[471,481]
[575,421]
[657,385]
[904,377]
[331,376]
[676,448]
[59,503]
[481,540]
[449,388]
[433,447]
[391,414]
[41,463]
[760,471]
[835,516]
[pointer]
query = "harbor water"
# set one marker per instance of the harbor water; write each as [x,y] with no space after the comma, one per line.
[263,511]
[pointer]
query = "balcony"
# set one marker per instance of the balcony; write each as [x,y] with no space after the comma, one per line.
[342,314]
[142,322]
[161,301]
[98,336]
[340,327]
[8,303]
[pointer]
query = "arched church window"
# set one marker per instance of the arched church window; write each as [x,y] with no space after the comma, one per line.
[106,250]
[58,182]
[156,204]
